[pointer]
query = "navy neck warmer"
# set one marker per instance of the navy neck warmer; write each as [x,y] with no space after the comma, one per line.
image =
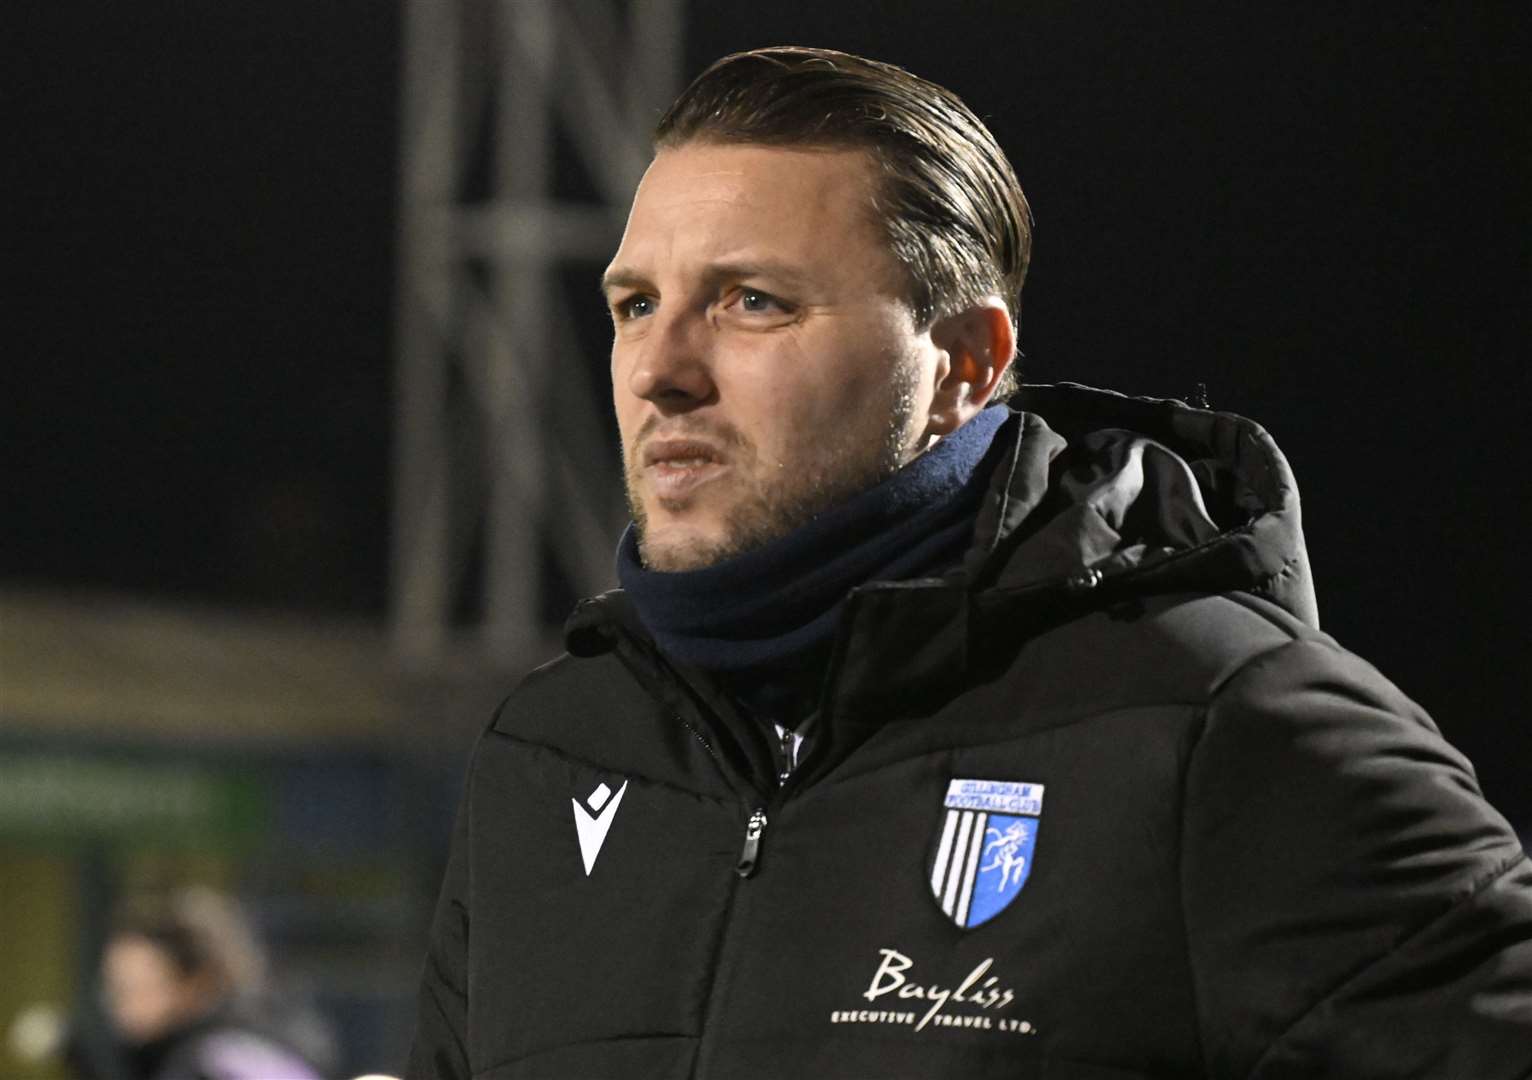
[778,603]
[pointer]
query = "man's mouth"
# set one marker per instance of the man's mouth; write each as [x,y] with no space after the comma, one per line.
[676,467]
[681,453]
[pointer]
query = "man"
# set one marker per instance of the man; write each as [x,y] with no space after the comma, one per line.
[932,737]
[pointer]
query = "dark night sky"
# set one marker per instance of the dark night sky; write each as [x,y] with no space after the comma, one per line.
[1322,216]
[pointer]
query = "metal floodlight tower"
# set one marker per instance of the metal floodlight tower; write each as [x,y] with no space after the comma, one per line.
[495,423]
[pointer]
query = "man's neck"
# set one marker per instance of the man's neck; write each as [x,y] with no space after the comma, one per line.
[768,609]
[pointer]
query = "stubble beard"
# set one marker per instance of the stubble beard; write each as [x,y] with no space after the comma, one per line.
[771,506]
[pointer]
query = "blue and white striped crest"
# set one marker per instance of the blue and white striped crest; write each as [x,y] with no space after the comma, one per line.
[984,855]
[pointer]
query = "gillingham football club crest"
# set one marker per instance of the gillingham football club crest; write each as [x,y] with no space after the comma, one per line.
[984,851]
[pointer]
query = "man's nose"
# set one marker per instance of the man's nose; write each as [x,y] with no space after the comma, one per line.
[673,368]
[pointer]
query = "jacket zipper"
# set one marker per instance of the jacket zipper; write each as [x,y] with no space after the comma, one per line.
[755,828]
[744,868]
[728,947]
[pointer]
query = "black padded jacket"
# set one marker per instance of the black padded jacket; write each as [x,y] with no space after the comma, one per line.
[1101,803]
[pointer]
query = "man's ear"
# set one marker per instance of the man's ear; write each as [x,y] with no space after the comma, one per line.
[980,343]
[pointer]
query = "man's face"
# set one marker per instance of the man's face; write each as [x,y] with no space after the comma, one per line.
[765,365]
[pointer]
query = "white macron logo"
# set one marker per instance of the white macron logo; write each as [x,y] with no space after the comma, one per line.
[592,824]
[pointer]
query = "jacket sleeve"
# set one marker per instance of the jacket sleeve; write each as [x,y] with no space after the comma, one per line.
[439,1051]
[1354,907]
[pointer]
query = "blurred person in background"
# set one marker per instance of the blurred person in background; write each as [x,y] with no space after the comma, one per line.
[184,987]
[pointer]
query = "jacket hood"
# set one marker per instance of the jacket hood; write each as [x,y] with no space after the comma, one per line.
[1140,495]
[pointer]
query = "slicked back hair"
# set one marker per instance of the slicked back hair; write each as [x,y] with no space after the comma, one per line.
[947,198]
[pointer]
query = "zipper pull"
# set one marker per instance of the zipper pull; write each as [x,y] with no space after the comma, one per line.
[752,849]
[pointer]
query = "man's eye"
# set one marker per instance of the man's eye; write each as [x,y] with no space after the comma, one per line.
[758,302]
[634,307]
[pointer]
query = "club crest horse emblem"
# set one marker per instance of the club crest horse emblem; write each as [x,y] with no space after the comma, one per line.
[984,854]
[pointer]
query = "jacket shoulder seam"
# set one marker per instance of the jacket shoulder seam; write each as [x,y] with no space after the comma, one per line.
[1242,598]
[1294,638]
[1219,684]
